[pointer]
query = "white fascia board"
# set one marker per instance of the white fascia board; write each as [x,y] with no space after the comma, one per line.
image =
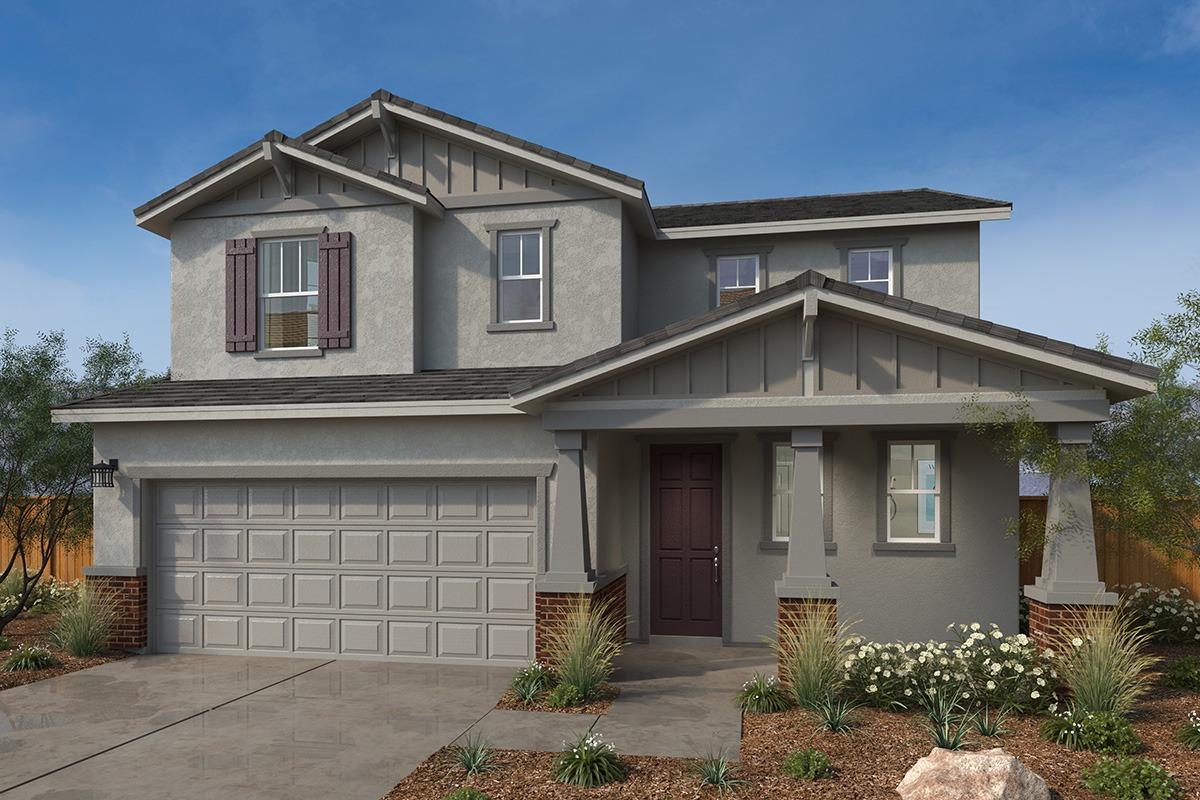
[207,183]
[988,342]
[423,200]
[517,153]
[836,223]
[660,348]
[433,408]
[346,124]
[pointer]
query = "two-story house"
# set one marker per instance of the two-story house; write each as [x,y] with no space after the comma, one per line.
[428,379]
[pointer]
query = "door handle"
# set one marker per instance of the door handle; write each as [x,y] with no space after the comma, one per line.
[716,569]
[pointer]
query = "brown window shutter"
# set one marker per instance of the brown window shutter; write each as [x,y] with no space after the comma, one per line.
[333,302]
[241,295]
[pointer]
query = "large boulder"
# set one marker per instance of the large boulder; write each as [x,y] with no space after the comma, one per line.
[962,775]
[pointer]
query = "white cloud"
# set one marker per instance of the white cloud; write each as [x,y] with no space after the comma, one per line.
[1183,29]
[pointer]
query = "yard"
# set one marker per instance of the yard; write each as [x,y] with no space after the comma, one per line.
[35,630]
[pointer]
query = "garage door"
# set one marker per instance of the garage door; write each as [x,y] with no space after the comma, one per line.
[384,569]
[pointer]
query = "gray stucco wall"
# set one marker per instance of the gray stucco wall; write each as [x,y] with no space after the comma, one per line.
[940,267]
[585,286]
[382,310]
[911,596]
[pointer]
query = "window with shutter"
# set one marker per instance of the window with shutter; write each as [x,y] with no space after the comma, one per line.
[333,304]
[241,295]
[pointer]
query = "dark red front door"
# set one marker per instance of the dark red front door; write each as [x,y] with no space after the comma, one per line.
[685,540]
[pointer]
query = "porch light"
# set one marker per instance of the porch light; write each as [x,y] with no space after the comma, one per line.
[102,473]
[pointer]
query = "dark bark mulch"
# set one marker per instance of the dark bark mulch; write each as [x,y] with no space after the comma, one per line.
[601,705]
[34,630]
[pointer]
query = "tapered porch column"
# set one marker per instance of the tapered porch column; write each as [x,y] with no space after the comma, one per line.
[806,575]
[1070,579]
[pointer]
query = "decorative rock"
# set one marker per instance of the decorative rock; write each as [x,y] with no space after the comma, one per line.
[962,775]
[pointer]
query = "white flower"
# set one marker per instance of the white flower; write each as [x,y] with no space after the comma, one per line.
[1035,694]
[1077,642]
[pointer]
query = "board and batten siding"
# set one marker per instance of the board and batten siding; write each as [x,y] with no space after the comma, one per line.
[852,358]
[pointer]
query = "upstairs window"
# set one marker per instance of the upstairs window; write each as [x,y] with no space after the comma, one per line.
[522,285]
[737,277]
[914,486]
[288,289]
[871,269]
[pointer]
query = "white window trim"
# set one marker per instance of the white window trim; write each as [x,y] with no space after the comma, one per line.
[936,492]
[736,257]
[775,462]
[540,277]
[264,295]
[891,278]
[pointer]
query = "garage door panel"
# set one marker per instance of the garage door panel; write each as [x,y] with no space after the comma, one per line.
[371,569]
[222,546]
[315,547]
[362,547]
[223,589]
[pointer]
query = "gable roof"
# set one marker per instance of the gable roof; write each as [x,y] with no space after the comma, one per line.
[824,206]
[792,292]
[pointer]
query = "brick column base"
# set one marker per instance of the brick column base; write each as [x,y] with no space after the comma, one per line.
[1049,621]
[130,631]
[551,607]
[790,612]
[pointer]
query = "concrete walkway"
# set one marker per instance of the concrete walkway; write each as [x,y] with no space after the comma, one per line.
[229,726]
[676,700]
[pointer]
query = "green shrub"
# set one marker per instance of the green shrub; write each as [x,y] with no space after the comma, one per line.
[49,594]
[762,694]
[1104,732]
[565,695]
[28,659]
[588,762]
[84,626]
[1102,663]
[1182,673]
[1189,734]
[808,764]
[950,733]
[466,793]
[1167,613]
[812,646]
[942,703]
[990,724]
[583,644]
[531,681]
[1130,779]
[473,756]
[5,643]
[836,715]
[717,771]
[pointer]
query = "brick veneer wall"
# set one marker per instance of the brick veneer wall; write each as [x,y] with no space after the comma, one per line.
[1047,621]
[553,606]
[130,631]
[790,610]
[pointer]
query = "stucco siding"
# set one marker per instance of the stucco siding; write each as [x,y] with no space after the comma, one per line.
[940,267]
[584,285]
[382,306]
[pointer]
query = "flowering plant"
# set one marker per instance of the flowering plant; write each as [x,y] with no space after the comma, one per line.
[1166,613]
[48,594]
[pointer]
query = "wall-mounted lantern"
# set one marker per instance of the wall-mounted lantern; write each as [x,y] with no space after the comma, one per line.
[102,473]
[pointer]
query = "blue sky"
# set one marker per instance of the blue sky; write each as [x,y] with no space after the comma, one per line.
[1085,114]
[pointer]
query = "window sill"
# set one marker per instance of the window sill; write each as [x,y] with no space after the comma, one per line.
[297,352]
[514,327]
[781,547]
[913,547]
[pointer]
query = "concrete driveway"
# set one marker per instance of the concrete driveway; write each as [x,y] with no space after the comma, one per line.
[171,726]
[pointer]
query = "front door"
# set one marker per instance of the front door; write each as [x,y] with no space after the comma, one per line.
[685,540]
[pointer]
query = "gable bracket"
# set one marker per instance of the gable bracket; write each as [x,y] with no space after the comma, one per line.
[285,169]
[387,126]
[809,317]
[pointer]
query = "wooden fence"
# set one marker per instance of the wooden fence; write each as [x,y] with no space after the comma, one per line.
[1122,560]
[66,562]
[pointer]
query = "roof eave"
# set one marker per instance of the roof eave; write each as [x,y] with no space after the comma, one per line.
[837,223]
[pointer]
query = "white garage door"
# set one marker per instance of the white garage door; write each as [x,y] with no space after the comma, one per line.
[387,569]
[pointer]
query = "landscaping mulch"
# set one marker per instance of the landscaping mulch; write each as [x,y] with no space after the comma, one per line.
[870,761]
[601,705]
[35,629]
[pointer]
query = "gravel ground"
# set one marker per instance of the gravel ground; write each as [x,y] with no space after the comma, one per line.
[34,629]
[870,761]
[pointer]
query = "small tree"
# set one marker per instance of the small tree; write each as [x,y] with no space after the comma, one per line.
[45,477]
[1143,463]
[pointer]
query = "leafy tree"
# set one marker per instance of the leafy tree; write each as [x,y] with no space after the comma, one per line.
[45,475]
[1144,462]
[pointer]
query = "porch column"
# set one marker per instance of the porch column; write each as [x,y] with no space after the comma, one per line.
[569,562]
[1070,579]
[806,575]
